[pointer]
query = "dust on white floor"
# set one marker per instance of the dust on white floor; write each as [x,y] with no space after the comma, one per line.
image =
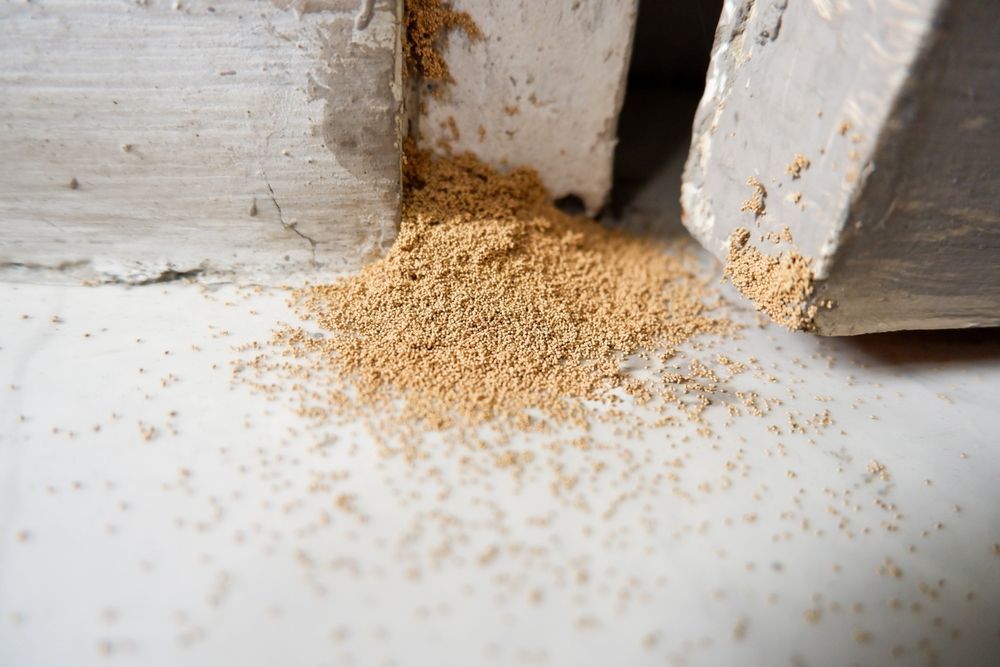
[156,513]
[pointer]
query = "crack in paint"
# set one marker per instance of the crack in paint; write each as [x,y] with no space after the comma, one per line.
[291,226]
[167,276]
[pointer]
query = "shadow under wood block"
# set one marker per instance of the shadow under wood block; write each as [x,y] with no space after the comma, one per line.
[670,54]
[908,350]
[869,130]
[236,139]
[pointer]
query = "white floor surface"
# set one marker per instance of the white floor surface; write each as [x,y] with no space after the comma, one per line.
[154,512]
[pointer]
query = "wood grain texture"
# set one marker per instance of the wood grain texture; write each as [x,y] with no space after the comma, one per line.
[922,245]
[895,106]
[235,137]
[545,84]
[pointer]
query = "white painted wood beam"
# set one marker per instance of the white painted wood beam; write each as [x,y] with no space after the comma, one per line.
[235,137]
[895,107]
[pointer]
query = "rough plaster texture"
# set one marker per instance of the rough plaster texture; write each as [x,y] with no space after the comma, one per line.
[894,105]
[545,86]
[233,137]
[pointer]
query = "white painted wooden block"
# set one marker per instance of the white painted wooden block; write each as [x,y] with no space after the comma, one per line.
[235,137]
[895,107]
[543,88]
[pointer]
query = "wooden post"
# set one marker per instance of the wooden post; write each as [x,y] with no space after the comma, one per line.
[542,88]
[232,137]
[869,130]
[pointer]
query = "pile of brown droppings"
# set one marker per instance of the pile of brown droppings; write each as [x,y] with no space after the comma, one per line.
[798,164]
[493,302]
[778,285]
[428,23]
[755,204]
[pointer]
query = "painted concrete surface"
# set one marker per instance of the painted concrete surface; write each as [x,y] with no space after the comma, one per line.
[152,512]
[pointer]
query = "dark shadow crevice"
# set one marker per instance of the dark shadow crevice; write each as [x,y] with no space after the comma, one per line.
[673,42]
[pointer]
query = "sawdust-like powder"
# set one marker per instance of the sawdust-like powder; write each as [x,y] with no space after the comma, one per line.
[778,285]
[493,303]
[755,204]
[428,23]
[798,164]
[494,306]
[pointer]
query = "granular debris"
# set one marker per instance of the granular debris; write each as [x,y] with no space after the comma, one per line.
[428,23]
[493,302]
[799,164]
[755,204]
[780,286]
